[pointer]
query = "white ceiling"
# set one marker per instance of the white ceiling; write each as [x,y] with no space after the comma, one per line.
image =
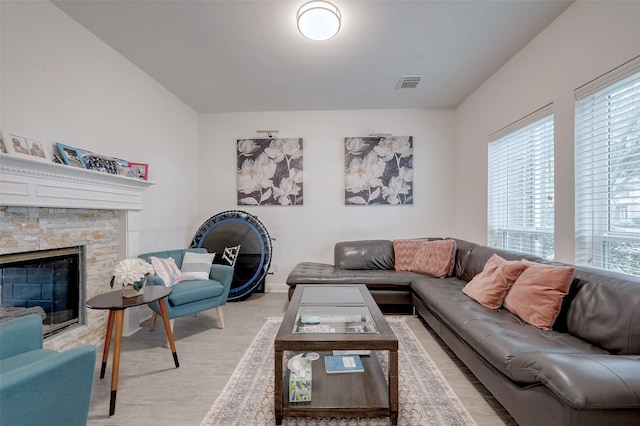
[238,56]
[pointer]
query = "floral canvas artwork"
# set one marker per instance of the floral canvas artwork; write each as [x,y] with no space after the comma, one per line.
[270,172]
[378,170]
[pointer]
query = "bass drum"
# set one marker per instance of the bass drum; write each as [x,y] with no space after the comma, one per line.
[230,229]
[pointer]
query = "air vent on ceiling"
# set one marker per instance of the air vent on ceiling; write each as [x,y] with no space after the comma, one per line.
[408,82]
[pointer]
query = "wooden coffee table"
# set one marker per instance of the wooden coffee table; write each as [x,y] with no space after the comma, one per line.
[349,320]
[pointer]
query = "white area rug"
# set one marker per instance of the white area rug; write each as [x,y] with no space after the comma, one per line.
[425,397]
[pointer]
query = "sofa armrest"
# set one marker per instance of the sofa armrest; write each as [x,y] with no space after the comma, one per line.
[364,254]
[591,381]
[154,280]
[20,335]
[55,390]
[223,274]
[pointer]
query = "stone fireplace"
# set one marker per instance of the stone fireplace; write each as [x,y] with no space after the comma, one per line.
[46,206]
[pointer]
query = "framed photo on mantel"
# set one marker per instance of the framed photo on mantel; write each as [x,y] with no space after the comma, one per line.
[71,156]
[139,170]
[16,144]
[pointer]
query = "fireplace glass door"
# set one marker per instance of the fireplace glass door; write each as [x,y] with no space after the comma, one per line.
[45,283]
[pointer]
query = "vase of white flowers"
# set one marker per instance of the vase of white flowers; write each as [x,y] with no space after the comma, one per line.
[132,272]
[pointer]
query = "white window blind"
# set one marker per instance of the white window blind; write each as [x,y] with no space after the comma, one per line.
[521,186]
[608,171]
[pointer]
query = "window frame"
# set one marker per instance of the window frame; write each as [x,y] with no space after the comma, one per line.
[532,237]
[594,235]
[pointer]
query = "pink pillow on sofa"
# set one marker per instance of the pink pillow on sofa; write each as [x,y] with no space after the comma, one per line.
[167,270]
[490,286]
[435,258]
[404,251]
[537,294]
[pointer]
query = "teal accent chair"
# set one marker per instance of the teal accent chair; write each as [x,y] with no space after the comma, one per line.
[41,386]
[193,296]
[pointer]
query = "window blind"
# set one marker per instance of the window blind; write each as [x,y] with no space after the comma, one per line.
[521,186]
[607,153]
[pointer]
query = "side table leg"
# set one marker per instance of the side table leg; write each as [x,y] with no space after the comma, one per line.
[107,344]
[277,387]
[117,345]
[167,327]
[393,387]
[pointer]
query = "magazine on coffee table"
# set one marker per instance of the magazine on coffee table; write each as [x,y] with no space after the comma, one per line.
[343,364]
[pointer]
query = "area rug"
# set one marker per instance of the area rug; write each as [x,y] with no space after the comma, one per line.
[425,396]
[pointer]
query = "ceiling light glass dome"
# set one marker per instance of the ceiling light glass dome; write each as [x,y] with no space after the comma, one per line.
[318,20]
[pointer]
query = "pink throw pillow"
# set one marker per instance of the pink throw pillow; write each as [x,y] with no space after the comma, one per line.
[537,294]
[435,258]
[491,285]
[167,270]
[404,251]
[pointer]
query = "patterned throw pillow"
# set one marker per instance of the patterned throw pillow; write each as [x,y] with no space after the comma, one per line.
[435,258]
[404,251]
[167,270]
[196,266]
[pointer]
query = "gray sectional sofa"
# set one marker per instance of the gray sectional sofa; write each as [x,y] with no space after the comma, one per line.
[585,371]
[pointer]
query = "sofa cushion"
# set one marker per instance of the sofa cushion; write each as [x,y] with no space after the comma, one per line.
[323,273]
[491,285]
[589,381]
[435,258]
[605,310]
[196,266]
[502,338]
[536,296]
[463,249]
[194,290]
[364,255]
[480,254]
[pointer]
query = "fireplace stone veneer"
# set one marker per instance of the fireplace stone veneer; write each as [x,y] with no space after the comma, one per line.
[27,229]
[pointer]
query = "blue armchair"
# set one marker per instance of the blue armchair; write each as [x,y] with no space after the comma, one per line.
[41,386]
[193,296]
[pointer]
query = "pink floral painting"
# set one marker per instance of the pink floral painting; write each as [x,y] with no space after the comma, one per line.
[270,172]
[378,170]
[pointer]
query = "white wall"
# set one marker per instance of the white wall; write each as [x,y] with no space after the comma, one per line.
[586,41]
[309,232]
[61,83]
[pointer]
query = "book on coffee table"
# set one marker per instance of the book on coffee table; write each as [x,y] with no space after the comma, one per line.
[343,364]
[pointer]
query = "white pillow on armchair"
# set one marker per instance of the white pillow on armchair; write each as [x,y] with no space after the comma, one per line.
[196,266]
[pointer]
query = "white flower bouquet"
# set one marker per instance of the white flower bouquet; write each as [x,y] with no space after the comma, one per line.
[132,271]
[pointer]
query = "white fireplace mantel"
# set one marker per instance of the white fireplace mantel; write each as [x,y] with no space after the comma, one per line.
[31,183]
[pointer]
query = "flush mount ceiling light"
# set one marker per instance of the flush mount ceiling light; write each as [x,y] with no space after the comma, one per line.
[318,20]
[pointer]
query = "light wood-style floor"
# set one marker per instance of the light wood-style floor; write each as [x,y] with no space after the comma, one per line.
[151,391]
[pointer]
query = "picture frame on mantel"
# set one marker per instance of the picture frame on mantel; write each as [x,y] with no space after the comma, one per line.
[139,170]
[70,155]
[3,147]
[18,145]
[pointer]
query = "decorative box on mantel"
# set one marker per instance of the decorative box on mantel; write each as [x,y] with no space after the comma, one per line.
[25,182]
